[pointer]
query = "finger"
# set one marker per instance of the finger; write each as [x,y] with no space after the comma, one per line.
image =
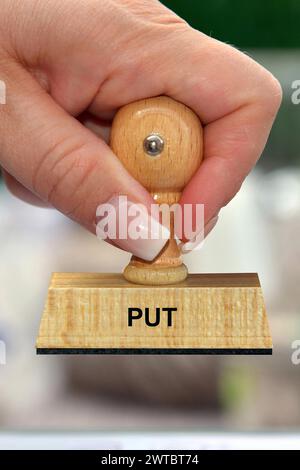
[232,146]
[237,101]
[21,192]
[99,127]
[62,162]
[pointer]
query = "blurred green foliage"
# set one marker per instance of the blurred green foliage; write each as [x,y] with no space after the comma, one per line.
[236,386]
[244,23]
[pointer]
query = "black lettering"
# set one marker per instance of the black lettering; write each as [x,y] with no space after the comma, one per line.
[157,317]
[170,310]
[132,317]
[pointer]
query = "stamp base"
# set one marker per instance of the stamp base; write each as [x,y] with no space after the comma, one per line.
[87,313]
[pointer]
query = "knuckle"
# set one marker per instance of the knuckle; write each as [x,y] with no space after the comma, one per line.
[263,87]
[270,92]
[63,175]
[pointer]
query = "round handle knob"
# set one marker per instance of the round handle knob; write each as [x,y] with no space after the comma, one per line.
[160,142]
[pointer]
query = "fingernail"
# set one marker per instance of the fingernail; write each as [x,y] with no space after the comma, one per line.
[197,241]
[130,226]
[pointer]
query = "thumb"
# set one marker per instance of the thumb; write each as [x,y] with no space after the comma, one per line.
[58,159]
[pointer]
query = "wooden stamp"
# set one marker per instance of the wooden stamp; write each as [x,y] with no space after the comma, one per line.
[156,307]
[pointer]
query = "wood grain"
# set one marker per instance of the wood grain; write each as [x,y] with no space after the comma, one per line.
[165,175]
[214,312]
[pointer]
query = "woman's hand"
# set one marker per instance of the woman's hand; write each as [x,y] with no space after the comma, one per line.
[68,65]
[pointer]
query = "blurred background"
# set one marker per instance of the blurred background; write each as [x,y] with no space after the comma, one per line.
[259,231]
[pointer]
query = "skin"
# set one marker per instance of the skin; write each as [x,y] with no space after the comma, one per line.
[70,64]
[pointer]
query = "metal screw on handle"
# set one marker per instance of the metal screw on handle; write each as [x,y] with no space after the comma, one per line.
[153,145]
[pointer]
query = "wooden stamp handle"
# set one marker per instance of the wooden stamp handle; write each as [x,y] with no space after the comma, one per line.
[160,142]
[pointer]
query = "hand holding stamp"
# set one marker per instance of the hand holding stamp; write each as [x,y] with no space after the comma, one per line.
[156,308]
[160,142]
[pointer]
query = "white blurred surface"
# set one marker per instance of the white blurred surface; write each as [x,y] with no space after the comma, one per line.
[153,441]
